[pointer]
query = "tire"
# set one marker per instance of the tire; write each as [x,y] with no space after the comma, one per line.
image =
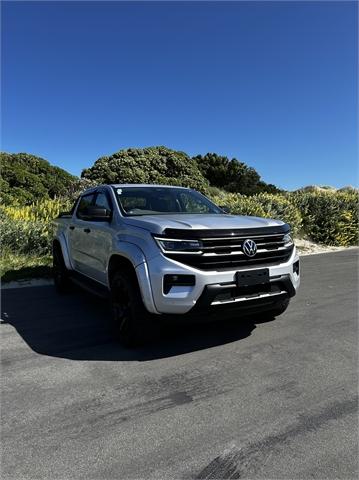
[130,318]
[60,272]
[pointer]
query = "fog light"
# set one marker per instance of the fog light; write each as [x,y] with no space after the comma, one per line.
[296,267]
[170,281]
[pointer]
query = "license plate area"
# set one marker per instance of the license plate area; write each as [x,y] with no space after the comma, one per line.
[252,277]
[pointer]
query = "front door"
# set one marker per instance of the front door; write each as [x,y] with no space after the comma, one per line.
[100,241]
[79,236]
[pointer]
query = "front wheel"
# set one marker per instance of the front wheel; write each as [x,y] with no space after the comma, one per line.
[129,316]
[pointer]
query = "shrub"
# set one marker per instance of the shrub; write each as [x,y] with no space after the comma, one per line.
[329,217]
[28,229]
[262,205]
[25,237]
[78,186]
[26,178]
[279,207]
[232,175]
[147,165]
[40,211]
[239,204]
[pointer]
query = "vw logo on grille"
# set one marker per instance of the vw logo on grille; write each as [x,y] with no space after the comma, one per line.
[249,247]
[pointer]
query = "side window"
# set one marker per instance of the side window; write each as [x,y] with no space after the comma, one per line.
[102,201]
[85,202]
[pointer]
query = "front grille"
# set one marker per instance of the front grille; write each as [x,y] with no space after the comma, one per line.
[222,250]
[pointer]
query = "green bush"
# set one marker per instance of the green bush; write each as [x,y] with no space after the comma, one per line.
[27,229]
[279,207]
[147,165]
[262,205]
[329,217]
[239,204]
[26,178]
[25,237]
[232,175]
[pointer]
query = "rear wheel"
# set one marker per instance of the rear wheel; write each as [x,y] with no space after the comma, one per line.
[60,272]
[129,315]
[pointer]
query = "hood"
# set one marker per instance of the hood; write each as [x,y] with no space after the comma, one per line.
[159,223]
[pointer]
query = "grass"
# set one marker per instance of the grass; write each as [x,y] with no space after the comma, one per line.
[19,267]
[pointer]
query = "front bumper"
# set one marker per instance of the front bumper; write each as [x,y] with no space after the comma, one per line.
[210,284]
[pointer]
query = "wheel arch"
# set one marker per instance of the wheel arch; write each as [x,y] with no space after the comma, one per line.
[118,261]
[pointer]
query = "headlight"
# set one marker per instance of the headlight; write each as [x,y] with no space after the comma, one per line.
[176,245]
[287,239]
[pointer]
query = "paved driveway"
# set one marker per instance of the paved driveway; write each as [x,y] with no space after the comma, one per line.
[234,399]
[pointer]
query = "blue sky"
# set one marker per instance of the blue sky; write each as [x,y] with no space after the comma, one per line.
[270,83]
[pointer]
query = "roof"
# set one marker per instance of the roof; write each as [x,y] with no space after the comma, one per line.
[121,185]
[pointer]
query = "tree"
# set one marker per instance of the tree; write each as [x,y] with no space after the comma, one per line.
[26,178]
[147,165]
[231,175]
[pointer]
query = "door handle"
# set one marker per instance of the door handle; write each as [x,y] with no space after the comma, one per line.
[72,227]
[87,230]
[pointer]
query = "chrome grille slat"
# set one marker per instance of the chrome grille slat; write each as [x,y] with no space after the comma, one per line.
[225,252]
[239,252]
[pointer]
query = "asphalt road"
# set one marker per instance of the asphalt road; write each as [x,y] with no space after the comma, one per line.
[271,400]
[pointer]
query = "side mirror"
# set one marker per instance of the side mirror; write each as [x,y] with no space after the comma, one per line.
[225,209]
[96,214]
[64,214]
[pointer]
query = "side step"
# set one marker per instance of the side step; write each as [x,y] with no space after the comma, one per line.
[90,285]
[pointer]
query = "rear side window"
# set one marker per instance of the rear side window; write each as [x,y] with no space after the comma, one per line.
[84,203]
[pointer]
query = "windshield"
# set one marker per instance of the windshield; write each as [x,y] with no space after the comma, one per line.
[161,201]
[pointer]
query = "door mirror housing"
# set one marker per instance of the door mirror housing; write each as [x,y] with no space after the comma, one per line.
[96,214]
[225,209]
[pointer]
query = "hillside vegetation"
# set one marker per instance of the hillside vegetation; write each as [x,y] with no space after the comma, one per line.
[232,175]
[33,192]
[26,178]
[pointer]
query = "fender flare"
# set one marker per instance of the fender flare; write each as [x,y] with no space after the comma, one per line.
[64,250]
[135,256]
[130,251]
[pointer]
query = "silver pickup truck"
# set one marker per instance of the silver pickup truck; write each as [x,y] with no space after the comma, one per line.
[171,252]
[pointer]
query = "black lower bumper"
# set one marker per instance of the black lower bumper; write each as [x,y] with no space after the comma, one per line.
[253,299]
[280,290]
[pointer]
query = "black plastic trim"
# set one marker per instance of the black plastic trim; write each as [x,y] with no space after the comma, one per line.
[89,284]
[190,234]
[210,292]
[180,281]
